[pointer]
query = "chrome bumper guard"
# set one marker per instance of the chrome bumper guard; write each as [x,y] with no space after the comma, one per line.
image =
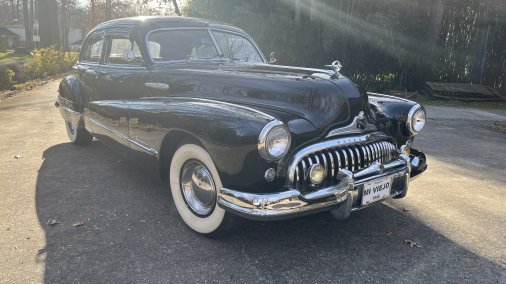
[292,202]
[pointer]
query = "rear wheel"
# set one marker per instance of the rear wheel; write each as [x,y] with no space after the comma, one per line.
[78,136]
[194,183]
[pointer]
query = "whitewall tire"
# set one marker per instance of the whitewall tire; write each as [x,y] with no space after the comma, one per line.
[194,183]
[78,136]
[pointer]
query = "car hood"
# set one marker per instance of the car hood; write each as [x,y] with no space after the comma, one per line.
[285,92]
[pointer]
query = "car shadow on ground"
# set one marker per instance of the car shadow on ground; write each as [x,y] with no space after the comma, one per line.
[111,222]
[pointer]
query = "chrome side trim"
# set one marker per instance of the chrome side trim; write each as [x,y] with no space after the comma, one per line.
[70,115]
[359,125]
[157,86]
[123,136]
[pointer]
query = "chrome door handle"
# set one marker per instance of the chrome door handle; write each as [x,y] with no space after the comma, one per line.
[157,86]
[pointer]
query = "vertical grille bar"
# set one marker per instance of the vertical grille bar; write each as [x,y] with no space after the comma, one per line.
[359,157]
[332,165]
[351,157]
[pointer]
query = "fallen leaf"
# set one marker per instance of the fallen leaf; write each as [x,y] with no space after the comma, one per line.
[53,222]
[406,209]
[413,243]
[400,223]
[18,156]
[142,221]
[78,223]
[42,250]
[389,233]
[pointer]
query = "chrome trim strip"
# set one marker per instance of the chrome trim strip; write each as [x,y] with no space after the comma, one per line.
[123,136]
[157,86]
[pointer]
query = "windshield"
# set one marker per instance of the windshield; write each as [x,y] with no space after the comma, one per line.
[189,44]
[168,45]
[236,47]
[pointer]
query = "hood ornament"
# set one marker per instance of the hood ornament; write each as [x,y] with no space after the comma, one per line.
[336,66]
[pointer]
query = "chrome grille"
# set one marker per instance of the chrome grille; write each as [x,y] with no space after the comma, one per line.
[350,157]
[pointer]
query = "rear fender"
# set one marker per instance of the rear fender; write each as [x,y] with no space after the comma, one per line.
[70,100]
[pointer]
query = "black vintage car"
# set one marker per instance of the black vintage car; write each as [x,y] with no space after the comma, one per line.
[197,102]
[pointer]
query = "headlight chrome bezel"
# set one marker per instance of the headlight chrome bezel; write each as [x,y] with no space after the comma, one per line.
[263,139]
[411,116]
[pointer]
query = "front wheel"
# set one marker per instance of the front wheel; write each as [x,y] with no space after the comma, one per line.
[78,136]
[194,183]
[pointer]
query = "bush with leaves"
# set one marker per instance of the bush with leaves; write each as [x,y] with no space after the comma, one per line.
[49,61]
[6,78]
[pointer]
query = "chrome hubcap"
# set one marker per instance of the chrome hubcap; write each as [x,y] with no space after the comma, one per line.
[198,187]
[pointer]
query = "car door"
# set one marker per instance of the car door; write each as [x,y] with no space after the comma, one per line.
[88,66]
[118,81]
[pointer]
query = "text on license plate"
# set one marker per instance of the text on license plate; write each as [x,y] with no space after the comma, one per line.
[376,190]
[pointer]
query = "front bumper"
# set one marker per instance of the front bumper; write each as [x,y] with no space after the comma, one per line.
[345,196]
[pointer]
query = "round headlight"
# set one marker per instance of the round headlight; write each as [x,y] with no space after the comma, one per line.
[416,119]
[274,140]
[317,173]
[277,142]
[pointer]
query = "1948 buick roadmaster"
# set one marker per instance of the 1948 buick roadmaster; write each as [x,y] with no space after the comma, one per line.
[198,102]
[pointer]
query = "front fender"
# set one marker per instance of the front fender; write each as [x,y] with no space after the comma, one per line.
[227,131]
[391,115]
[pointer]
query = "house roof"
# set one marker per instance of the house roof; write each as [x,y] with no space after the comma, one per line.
[4,32]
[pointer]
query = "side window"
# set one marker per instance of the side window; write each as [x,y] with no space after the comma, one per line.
[125,51]
[93,49]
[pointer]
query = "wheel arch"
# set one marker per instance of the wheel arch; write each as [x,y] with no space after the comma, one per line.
[70,92]
[170,143]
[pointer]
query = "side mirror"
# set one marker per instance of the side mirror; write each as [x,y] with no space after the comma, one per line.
[272,58]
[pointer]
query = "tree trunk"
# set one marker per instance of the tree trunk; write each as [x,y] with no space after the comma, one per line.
[481,44]
[108,8]
[30,23]
[436,17]
[26,24]
[176,7]
[92,8]
[48,23]
[64,25]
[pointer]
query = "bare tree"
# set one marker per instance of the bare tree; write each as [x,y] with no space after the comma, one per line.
[176,7]
[108,10]
[26,23]
[48,22]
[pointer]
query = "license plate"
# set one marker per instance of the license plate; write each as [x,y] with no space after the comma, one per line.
[376,190]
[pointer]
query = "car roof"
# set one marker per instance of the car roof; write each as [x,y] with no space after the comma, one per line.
[147,23]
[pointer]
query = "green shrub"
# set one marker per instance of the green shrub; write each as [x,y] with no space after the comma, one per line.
[6,78]
[49,61]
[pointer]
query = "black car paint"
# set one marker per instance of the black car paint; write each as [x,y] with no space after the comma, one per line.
[222,105]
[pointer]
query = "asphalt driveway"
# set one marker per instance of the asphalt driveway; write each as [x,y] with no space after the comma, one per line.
[84,214]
